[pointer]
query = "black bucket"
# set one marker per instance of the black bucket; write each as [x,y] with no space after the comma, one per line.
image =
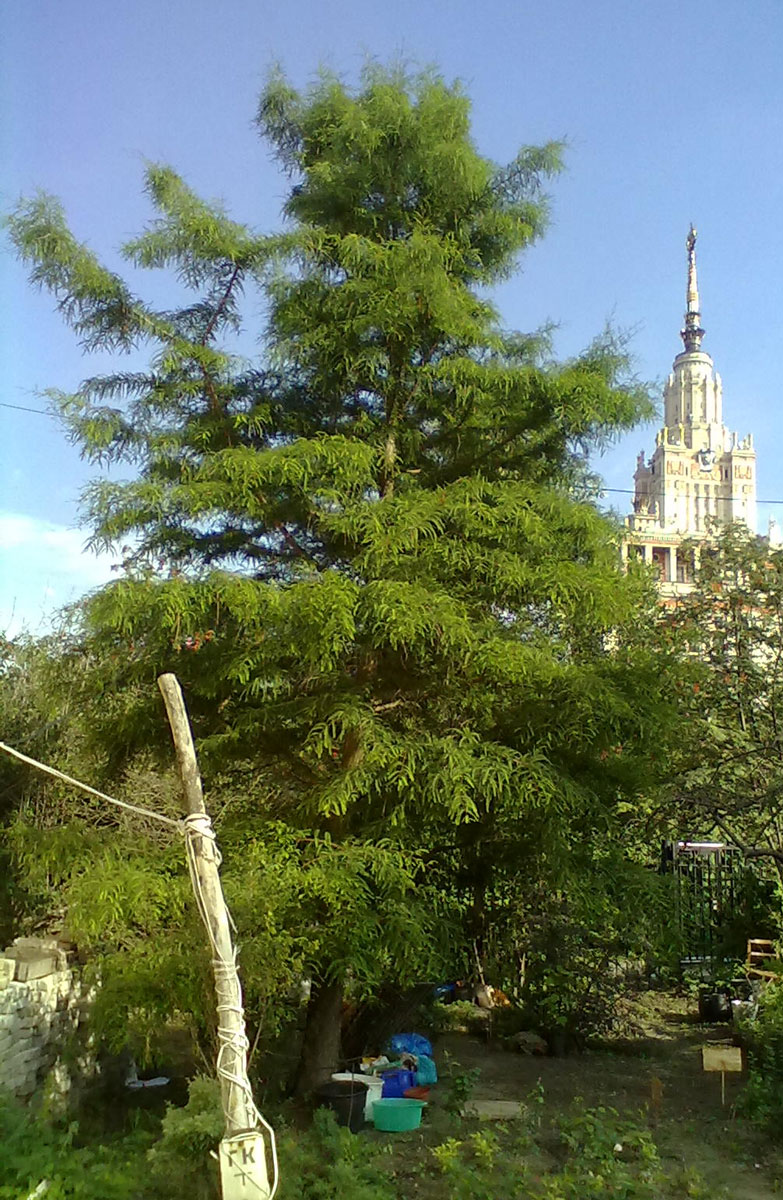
[714,1007]
[346,1099]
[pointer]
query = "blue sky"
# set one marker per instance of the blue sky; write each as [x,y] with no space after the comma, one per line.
[672,113]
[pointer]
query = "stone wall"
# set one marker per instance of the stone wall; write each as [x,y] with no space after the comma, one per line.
[41,1006]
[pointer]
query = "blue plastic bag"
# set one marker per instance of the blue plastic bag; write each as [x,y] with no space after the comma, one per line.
[426,1071]
[410,1043]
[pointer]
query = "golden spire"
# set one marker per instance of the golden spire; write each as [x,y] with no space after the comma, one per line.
[693,332]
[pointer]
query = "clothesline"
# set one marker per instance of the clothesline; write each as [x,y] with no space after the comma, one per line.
[85,787]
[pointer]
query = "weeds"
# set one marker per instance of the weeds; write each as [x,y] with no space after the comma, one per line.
[460,1087]
[762,1098]
[33,1150]
[593,1154]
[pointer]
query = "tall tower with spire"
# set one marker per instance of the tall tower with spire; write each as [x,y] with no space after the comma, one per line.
[700,475]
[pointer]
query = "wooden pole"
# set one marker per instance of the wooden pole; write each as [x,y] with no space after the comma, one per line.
[248,1139]
[240,1112]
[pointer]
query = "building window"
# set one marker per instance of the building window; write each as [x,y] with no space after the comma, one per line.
[684,567]
[660,558]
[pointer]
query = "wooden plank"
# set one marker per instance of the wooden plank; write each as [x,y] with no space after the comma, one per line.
[721,1058]
[760,950]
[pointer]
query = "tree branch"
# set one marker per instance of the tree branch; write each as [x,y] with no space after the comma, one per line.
[221,305]
[295,546]
[750,851]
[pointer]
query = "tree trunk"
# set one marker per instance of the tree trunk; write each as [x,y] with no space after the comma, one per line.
[321,1043]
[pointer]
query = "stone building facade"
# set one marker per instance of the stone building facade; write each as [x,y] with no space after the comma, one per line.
[700,474]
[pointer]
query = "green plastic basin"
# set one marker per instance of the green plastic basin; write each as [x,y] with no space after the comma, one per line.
[394,1114]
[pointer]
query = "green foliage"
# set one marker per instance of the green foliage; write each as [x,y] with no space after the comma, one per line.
[33,1150]
[579,942]
[599,1137]
[600,1154]
[331,1163]
[609,1156]
[461,1085]
[731,691]
[301,900]
[181,1161]
[726,766]
[458,1016]
[414,668]
[762,1097]
[447,1155]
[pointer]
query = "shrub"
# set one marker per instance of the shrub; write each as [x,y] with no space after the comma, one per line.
[181,1161]
[762,1098]
[34,1150]
[331,1163]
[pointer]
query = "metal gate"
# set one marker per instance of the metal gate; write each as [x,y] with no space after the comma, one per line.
[709,895]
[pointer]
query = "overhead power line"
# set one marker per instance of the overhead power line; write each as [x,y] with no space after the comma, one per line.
[615,491]
[24,408]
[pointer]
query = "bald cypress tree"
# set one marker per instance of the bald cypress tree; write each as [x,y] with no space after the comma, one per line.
[364,552]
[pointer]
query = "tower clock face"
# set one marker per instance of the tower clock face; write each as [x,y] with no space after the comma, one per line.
[706,460]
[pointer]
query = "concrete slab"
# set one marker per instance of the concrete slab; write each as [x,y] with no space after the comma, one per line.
[495,1110]
[35,967]
[7,969]
[23,946]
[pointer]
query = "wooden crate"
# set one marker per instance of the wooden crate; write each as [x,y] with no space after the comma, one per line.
[759,951]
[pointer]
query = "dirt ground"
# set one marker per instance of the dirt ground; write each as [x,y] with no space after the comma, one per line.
[661,1041]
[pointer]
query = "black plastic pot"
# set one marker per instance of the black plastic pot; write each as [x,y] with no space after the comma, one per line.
[714,1007]
[346,1099]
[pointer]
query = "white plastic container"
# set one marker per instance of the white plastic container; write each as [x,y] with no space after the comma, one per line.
[374,1087]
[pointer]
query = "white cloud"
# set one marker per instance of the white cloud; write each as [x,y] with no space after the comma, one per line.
[43,566]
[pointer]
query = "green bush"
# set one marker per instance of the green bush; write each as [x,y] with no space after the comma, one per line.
[32,1150]
[608,1156]
[582,941]
[142,1165]
[600,1155]
[181,1162]
[324,1163]
[461,1016]
[762,1098]
[331,1163]
[597,1155]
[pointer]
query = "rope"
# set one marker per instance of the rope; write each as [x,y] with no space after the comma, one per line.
[233,1043]
[85,787]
